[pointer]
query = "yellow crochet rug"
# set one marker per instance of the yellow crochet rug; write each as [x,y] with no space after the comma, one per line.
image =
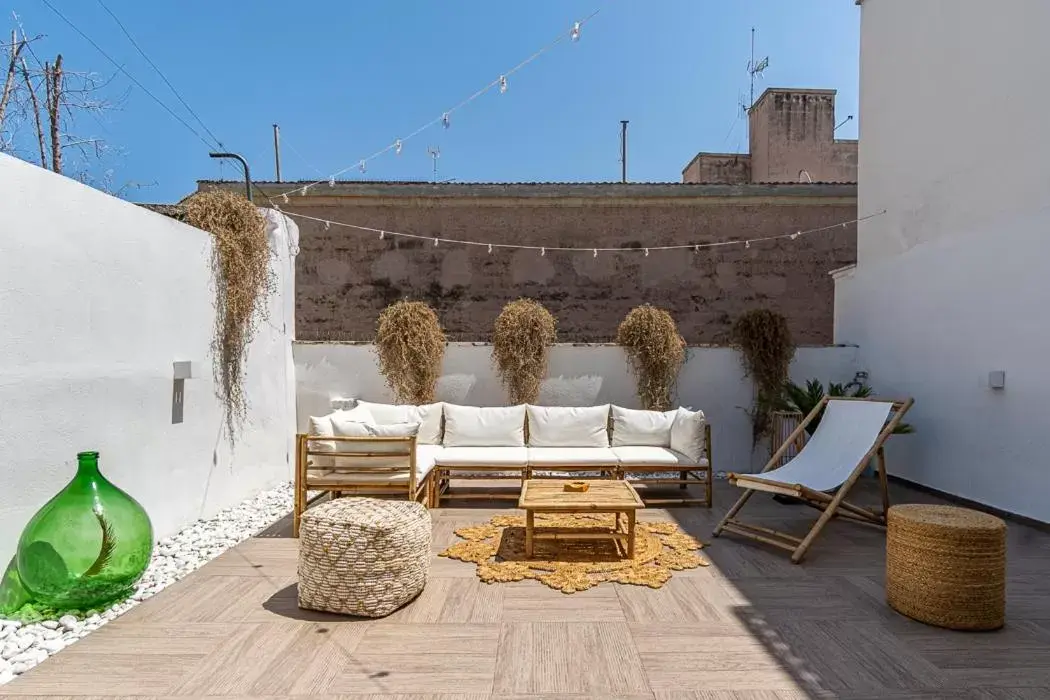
[498,549]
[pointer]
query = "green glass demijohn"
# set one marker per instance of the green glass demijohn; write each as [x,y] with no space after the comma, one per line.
[87,546]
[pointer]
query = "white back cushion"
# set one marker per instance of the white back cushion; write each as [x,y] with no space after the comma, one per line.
[634,427]
[471,426]
[348,428]
[563,426]
[323,426]
[427,415]
[687,434]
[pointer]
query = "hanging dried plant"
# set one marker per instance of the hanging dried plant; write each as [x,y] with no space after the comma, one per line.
[521,341]
[244,281]
[410,345]
[767,349]
[655,352]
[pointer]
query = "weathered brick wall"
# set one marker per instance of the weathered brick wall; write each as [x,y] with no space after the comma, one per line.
[727,168]
[344,277]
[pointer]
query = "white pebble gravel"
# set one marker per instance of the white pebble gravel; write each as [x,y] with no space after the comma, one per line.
[25,646]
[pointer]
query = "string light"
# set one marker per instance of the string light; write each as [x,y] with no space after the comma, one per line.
[284,198]
[446,116]
[327,225]
[304,190]
[397,147]
[490,249]
[382,235]
[594,251]
[331,182]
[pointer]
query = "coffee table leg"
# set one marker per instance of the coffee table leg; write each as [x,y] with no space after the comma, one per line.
[630,534]
[530,525]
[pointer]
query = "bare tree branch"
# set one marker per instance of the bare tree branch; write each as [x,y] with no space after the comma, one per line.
[9,81]
[36,113]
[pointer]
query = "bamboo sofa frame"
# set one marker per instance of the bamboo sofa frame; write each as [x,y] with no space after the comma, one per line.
[341,480]
[830,505]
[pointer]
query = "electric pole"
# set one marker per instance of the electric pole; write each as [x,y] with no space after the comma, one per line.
[623,150]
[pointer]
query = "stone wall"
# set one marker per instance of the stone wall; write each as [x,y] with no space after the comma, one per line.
[345,277]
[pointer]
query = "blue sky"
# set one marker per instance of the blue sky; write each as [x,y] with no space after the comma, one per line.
[344,78]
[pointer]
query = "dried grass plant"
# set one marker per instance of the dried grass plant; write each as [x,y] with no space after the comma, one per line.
[521,341]
[767,348]
[655,351]
[244,281]
[410,345]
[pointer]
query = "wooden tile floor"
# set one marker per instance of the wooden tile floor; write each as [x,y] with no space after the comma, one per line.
[752,625]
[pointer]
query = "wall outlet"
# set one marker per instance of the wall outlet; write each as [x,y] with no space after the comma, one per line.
[997,379]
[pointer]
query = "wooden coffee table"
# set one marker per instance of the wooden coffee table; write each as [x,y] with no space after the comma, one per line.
[602,496]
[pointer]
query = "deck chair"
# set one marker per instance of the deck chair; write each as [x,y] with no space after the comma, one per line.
[850,433]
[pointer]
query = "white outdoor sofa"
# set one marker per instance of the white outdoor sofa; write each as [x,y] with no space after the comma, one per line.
[416,451]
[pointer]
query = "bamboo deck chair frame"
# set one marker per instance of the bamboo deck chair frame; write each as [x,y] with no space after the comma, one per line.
[339,480]
[829,504]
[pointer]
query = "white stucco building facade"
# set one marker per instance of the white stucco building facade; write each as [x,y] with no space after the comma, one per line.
[951,283]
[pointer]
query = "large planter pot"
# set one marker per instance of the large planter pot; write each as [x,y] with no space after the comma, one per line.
[87,546]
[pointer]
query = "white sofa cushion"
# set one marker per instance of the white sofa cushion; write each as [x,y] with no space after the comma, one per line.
[568,426]
[572,456]
[323,426]
[634,427]
[687,434]
[483,457]
[472,426]
[649,456]
[427,415]
[425,455]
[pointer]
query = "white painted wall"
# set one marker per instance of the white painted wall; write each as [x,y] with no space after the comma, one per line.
[951,282]
[98,298]
[580,375]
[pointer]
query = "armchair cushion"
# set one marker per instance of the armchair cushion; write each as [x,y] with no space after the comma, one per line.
[649,456]
[575,426]
[483,457]
[471,426]
[427,415]
[571,456]
[633,427]
[687,434]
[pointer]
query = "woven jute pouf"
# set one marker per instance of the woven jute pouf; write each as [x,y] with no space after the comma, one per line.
[946,566]
[363,556]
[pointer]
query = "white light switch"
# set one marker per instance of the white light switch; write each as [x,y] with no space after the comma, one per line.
[997,379]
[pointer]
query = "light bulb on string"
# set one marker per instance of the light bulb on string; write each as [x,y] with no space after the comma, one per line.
[575,33]
[435,242]
[446,120]
[696,249]
[543,252]
[327,225]
[647,252]
[595,252]
[795,235]
[397,147]
[304,190]
[284,198]
[331,182]
[361,166]
[382,235]
[502,84]
[490,248]
[747,244]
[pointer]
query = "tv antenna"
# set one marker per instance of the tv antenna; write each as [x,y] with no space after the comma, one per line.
[754,69]
[435,153]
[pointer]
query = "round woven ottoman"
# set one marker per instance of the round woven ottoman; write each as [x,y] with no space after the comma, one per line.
[946,566]
[363,556]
